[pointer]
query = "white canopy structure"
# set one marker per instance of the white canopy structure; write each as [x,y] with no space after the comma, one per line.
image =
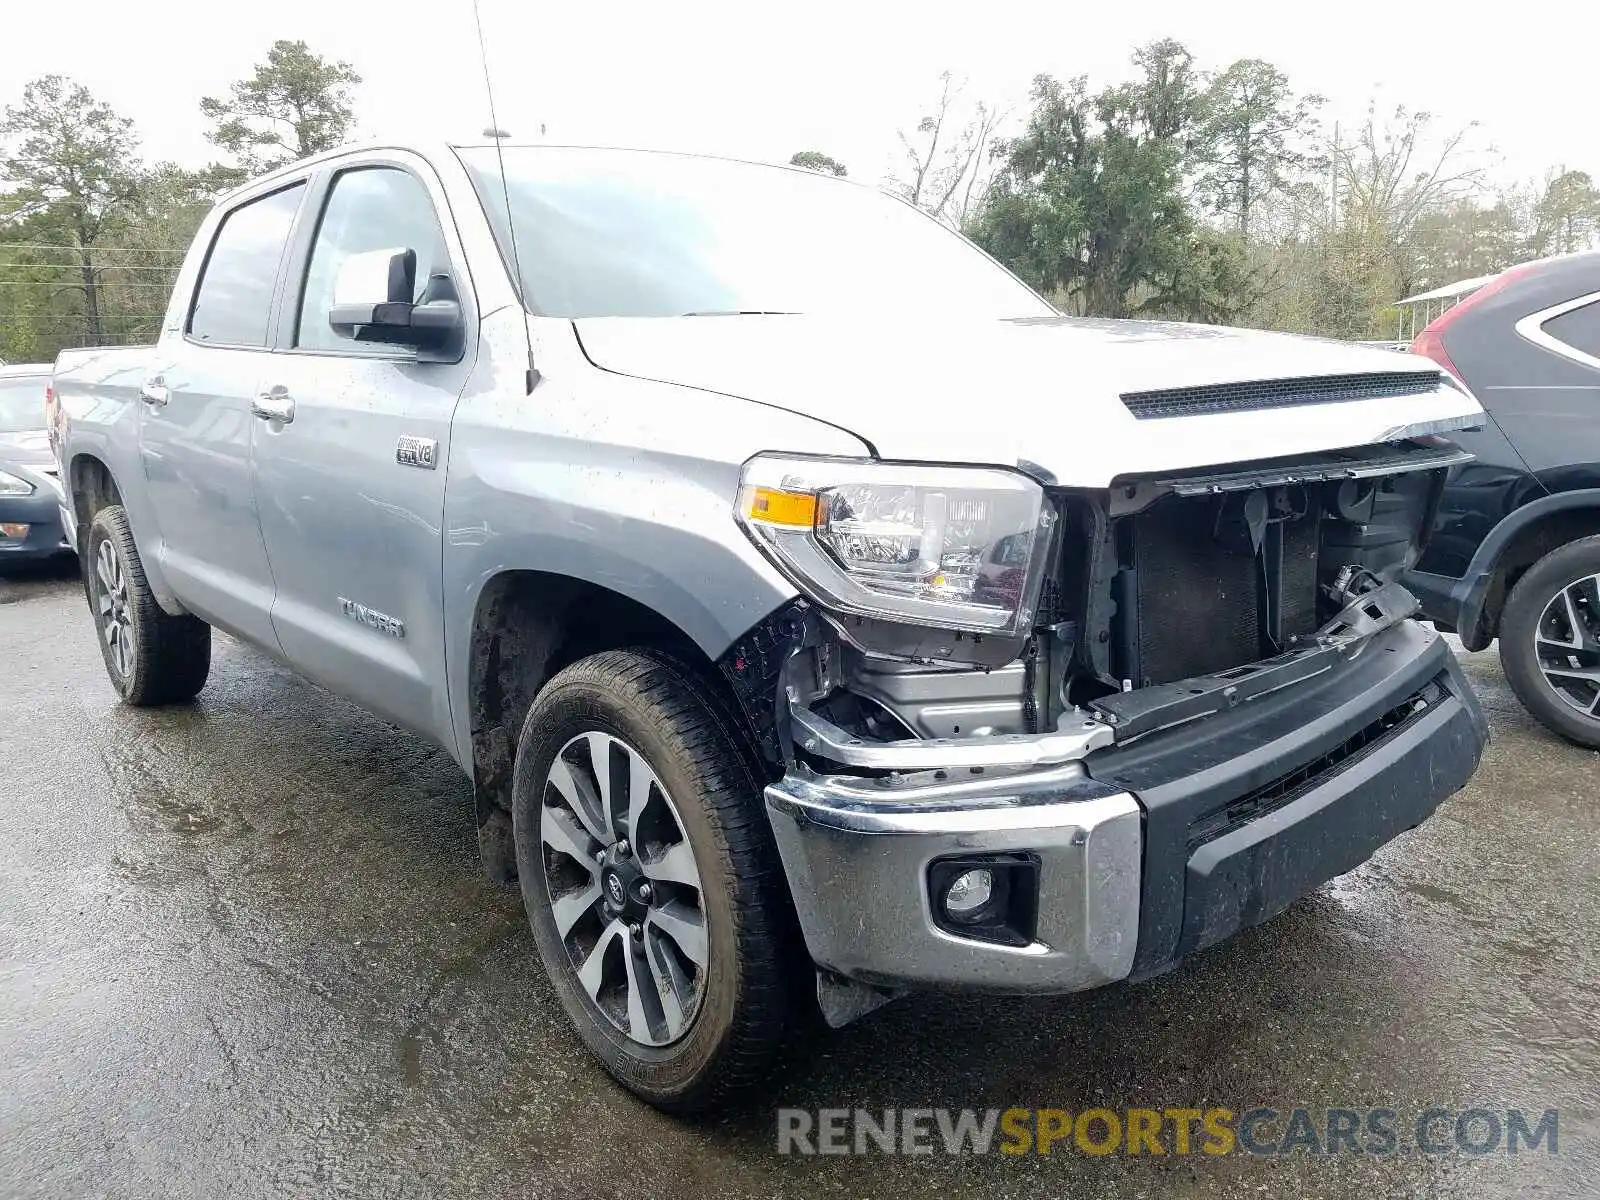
[1432,303]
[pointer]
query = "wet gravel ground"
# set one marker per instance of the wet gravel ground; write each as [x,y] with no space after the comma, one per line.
[245,949]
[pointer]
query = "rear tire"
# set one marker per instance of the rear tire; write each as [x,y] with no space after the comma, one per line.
[695,1034]
[1550,635]
[151,656]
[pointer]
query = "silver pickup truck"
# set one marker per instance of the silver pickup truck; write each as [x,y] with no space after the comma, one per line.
[817,613]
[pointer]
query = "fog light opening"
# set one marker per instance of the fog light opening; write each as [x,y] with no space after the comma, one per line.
[989,898]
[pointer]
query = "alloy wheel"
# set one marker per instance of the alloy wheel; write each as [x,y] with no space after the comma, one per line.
[116,617]
[1567,647]
[624,888]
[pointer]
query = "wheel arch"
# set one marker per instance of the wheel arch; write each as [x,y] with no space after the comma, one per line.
[91,485]
[1515,544]
[526,626]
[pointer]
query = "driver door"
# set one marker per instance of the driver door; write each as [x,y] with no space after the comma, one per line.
[350,449]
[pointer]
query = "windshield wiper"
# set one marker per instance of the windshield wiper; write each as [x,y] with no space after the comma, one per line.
[740,312]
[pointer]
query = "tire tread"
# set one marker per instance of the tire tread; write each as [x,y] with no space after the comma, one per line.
[1518,621]
[173,653]
[685,707]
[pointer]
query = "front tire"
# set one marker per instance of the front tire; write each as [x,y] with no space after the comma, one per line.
[151,656]
[650,878]
[1550,641]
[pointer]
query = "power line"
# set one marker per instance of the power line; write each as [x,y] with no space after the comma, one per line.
[98,266]
[91,249]
[52,283]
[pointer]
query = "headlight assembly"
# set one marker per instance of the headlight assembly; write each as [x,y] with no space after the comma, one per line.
[957,548]
[11,485]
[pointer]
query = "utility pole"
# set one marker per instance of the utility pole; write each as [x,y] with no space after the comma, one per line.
[1333,167]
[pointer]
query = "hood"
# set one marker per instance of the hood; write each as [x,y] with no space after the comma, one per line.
[29,448]
[1041,394]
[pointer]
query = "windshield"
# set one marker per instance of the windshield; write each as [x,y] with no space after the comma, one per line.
[22,404]
[627,233]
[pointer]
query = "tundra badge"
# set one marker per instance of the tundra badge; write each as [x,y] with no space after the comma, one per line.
[417,452]
[371,617]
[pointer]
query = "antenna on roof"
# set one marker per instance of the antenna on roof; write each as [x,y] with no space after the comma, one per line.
[498,135]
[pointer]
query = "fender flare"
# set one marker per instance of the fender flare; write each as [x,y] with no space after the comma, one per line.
[1469,595]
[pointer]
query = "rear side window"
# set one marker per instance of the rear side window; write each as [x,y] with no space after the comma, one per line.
[234,299]
[1579,329]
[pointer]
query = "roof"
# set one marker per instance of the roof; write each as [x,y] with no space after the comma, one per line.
[1450,290]
[436,149]
[23,370]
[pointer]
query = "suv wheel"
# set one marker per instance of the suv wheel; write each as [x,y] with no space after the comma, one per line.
[151,656]
[650,878]
[1550,640]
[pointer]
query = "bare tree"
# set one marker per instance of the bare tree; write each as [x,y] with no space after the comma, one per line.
[1396,171]
[978,170]
[949,156]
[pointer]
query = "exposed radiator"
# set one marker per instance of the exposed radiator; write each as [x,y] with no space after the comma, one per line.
[1197,602]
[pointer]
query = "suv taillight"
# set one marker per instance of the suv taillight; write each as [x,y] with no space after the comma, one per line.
[1430,342]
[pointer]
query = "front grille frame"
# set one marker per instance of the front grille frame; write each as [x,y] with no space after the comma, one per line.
[1258,394]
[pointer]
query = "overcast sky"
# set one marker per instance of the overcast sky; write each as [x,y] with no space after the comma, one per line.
[761,81]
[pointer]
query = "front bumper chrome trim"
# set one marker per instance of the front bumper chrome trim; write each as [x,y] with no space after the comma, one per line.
[1076,735]
[857,858]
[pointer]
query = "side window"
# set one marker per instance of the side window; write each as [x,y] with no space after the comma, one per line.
[1579,329]
[369,208]
[234,297]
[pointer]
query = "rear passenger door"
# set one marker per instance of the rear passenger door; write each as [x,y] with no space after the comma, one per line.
[1548,401]
[196,425]
[352,524]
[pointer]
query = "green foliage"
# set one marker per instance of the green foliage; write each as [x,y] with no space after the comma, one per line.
[74,166]
[91,239]
[1463,239]
[295,104]
[70,156]
[816,160]
[1253,137]
[1088,203]
[1566,217]
[1177,194]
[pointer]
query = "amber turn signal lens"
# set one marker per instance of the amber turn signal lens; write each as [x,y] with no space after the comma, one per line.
[797,510]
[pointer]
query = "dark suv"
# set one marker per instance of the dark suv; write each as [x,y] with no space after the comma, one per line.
[1516,551]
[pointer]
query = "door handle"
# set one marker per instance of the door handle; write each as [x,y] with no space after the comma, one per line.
[274,405]
[155,393]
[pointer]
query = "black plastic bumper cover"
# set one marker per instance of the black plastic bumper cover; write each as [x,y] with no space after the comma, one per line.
[1246,812]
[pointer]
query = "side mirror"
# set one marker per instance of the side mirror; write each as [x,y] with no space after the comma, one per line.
[372,302]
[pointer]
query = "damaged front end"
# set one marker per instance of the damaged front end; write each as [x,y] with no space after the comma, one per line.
[1163,601]
[1165,627]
